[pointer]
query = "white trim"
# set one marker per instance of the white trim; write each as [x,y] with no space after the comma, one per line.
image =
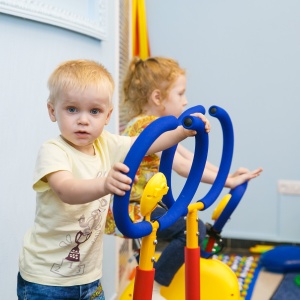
[94,25]
[117,65]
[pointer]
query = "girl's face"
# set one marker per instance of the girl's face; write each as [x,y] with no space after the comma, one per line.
[81,116]
[176,100]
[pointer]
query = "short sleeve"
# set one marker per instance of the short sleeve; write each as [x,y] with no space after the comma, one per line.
[51,158]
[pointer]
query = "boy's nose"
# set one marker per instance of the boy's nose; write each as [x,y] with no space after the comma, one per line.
[82,119]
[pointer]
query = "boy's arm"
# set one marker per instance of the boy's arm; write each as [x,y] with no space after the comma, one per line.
[79,191]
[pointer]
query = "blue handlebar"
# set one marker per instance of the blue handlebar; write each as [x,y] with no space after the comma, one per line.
[218,185]
[191,122]
[236,196]
[227,152]
[191,110]
[167,157]
[134,158]
[178,208]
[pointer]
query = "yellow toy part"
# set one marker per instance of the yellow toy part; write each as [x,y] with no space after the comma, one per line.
[220,207]
[148,249]
[128,292]
[192,224]
[261,248]
[154,190]
[217,281]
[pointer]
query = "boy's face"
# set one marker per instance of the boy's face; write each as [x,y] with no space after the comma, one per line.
[176,101]
[81,116]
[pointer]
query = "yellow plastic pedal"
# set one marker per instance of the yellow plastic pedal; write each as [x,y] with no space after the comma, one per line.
[261,248]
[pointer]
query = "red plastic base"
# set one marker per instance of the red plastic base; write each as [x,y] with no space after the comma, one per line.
[143,284]
[192,273]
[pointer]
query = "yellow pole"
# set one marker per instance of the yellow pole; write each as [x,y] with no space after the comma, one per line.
[192,225]
[147,250]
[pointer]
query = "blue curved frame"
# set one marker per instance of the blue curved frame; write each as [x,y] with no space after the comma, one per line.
[177,208]
[236,196]
[227,153]
[134,158]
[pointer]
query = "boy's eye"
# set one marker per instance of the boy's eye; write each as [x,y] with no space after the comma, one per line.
[94,111]
[72,109]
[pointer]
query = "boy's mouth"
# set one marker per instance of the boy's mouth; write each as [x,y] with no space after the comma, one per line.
[81,133]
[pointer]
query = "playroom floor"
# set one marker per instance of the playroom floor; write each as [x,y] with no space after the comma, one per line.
[265,286]
[266,283]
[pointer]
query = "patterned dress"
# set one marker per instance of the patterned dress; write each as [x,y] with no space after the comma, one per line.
[148,167]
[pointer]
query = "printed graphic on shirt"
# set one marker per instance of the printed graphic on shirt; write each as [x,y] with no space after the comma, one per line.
[71,265]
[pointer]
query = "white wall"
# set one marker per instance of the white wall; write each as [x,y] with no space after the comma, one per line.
[244,57]
[241,55]
[28,54]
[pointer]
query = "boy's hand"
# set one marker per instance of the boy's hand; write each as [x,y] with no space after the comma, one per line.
[116,182]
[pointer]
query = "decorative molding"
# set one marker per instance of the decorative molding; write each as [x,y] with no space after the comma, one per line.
[91,21]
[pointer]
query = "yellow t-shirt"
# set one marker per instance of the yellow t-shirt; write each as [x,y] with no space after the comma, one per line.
[65,245]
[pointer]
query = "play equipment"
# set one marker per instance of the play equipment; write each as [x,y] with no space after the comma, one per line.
[221,215]
[261,248]
[217,280]
[281,259]
[135,156]
[145,271]
[210,273]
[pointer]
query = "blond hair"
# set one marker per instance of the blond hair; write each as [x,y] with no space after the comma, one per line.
[143,77]
[79,74]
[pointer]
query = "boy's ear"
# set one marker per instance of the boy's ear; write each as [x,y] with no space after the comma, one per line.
[155,97]
[51,112]
[108,116]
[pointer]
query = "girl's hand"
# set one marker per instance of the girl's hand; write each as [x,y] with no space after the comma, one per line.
[204,119]
[238,179]
[239,171]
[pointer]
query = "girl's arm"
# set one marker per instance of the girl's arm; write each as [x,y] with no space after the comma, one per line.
[190,156]
[173,137]
[183,161]
[234,181]
[182,166]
